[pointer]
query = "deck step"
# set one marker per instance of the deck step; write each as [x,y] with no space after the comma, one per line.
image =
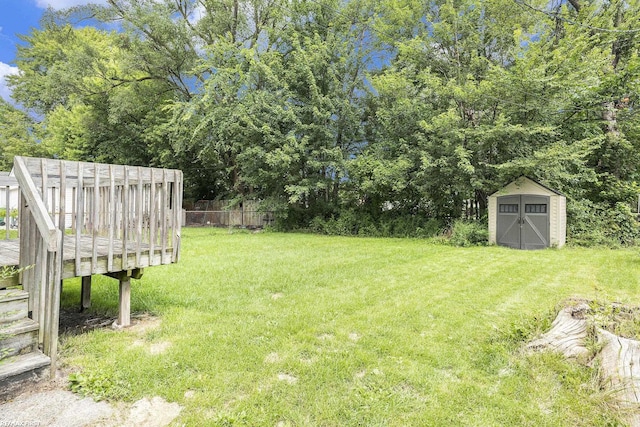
[14,305]
[17,370]
[18,337]
[23,363]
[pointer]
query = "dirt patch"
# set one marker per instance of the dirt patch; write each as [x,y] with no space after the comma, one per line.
[74,322]
[272,358]
[143,323]
[360,374]
[289,379]
[159,348]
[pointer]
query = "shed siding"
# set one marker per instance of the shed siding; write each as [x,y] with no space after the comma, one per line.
[562,221]
[525,186]
[493,219]
[554,224]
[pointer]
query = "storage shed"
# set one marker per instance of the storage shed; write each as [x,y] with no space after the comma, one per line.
[526,214]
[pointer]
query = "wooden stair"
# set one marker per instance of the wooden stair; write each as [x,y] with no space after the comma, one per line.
[20,358]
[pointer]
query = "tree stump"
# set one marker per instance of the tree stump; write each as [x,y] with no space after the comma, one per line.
[620,370]
[619,357]
[567,335]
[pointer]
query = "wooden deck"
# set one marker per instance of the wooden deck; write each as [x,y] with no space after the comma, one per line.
[79,219]
[94,262]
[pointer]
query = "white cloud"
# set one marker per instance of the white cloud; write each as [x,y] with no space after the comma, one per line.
[198,12]
[62,4]
[5,70]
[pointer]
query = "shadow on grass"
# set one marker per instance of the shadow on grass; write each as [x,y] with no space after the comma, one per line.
[74,322]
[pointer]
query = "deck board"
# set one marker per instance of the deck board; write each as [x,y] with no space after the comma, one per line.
[10,255]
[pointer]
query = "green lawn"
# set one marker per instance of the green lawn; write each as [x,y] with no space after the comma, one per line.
[291,329]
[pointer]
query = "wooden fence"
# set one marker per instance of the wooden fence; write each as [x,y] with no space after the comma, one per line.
[220,213]
[473,210]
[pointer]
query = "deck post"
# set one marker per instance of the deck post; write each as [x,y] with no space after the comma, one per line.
[124,313]
[7,208]
[124,303]
[85,293]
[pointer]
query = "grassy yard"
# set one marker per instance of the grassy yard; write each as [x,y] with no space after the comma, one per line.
[293,330]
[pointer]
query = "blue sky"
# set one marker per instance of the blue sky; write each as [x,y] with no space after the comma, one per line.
[18,17]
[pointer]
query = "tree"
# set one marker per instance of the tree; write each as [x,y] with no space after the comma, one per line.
[478,93]
[319,107]
[281,116]
[18,135]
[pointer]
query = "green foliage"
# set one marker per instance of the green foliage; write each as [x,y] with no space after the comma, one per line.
[18,134]
[278,119]
[96,104]
[591,224]
[621,320]
[9,275]
[98,386]
[7,272]
[328,109]
[523,329]
[358,223]
[469,233]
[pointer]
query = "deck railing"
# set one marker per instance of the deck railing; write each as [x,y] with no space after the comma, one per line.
[8,184]
[41,259]
[125,210]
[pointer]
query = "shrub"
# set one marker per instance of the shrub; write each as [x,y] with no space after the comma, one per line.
[355,223]
[596,224]
[467,233]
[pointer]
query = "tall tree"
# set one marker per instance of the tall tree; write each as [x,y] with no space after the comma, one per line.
[18,134]
[281,110]
[478,93]
[322,106]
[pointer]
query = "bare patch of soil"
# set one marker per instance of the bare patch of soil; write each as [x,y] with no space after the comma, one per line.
[74,322]
[159,347]
[289,379]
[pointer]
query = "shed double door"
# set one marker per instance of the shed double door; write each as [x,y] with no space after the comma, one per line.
[523,222]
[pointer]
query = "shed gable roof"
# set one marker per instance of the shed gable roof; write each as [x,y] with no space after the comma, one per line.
[523,181]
